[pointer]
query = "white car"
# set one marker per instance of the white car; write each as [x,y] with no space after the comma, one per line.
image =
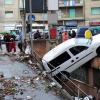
[71,54]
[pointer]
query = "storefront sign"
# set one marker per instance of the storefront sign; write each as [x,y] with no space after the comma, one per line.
[71,23]
[94,23]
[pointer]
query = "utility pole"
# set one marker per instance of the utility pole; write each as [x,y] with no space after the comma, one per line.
[24,21]
[43,18]
[30,21]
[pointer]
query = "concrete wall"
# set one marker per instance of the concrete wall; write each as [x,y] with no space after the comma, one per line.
[40,47]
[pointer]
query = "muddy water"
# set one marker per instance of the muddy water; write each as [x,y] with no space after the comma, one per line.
[11,68]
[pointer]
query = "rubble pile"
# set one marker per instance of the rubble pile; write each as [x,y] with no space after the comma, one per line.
[41,74]
[9,87]
[18,86]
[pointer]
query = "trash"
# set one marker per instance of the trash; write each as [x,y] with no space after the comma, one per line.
[25,72]
[21,92]
[37,78]
[86,98]
[44,73]
[9,87]
[28,81]
[27,50]
[89,97]
[29,98]
[30,62]
[47,88]
[77,98]
[17,78]
[52,84]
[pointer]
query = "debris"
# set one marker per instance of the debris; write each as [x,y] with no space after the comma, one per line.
[27,50]
[21,92]
[77,98]
[37,78]
[25,72]
[44,73]
[29,98]
[17,78]
[9,87]
[47,88]
[52,84]
[30,62]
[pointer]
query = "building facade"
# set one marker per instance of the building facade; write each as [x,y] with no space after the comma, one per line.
[70,13]
[92,12]
[10,14]
[76,13]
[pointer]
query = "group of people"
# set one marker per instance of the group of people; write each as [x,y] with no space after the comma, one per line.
[10,43]
[9,40]
[65,35]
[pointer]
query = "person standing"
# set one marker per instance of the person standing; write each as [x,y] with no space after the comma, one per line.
[12,43]
[37,35]
[64,36]
[7,41]
[20,42]
[1,42]
[88,36]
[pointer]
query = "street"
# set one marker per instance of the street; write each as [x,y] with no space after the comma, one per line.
[19,82]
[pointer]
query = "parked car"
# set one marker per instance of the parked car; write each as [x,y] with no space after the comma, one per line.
[70,55]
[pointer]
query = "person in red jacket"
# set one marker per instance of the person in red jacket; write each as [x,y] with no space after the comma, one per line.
[13,43]
[64,36]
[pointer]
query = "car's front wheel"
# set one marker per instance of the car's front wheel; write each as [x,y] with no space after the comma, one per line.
[98,51]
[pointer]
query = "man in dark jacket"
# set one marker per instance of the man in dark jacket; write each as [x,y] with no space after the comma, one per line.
[37,35]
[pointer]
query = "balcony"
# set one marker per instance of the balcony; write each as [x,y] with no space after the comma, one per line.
[61,16]
[70,3]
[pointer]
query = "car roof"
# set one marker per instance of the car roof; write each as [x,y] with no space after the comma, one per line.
[63,47]
[96,39]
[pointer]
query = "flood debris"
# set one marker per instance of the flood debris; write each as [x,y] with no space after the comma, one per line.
[21,83]
[29,98]
[8,87]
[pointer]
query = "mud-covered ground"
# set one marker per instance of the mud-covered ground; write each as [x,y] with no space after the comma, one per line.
[21,80]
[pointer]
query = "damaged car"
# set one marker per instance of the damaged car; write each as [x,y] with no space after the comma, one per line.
[70,55]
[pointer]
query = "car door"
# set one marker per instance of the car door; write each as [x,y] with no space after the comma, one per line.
[81,54]
[60,62]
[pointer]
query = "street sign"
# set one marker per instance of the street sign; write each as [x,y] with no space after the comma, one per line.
[31,18]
